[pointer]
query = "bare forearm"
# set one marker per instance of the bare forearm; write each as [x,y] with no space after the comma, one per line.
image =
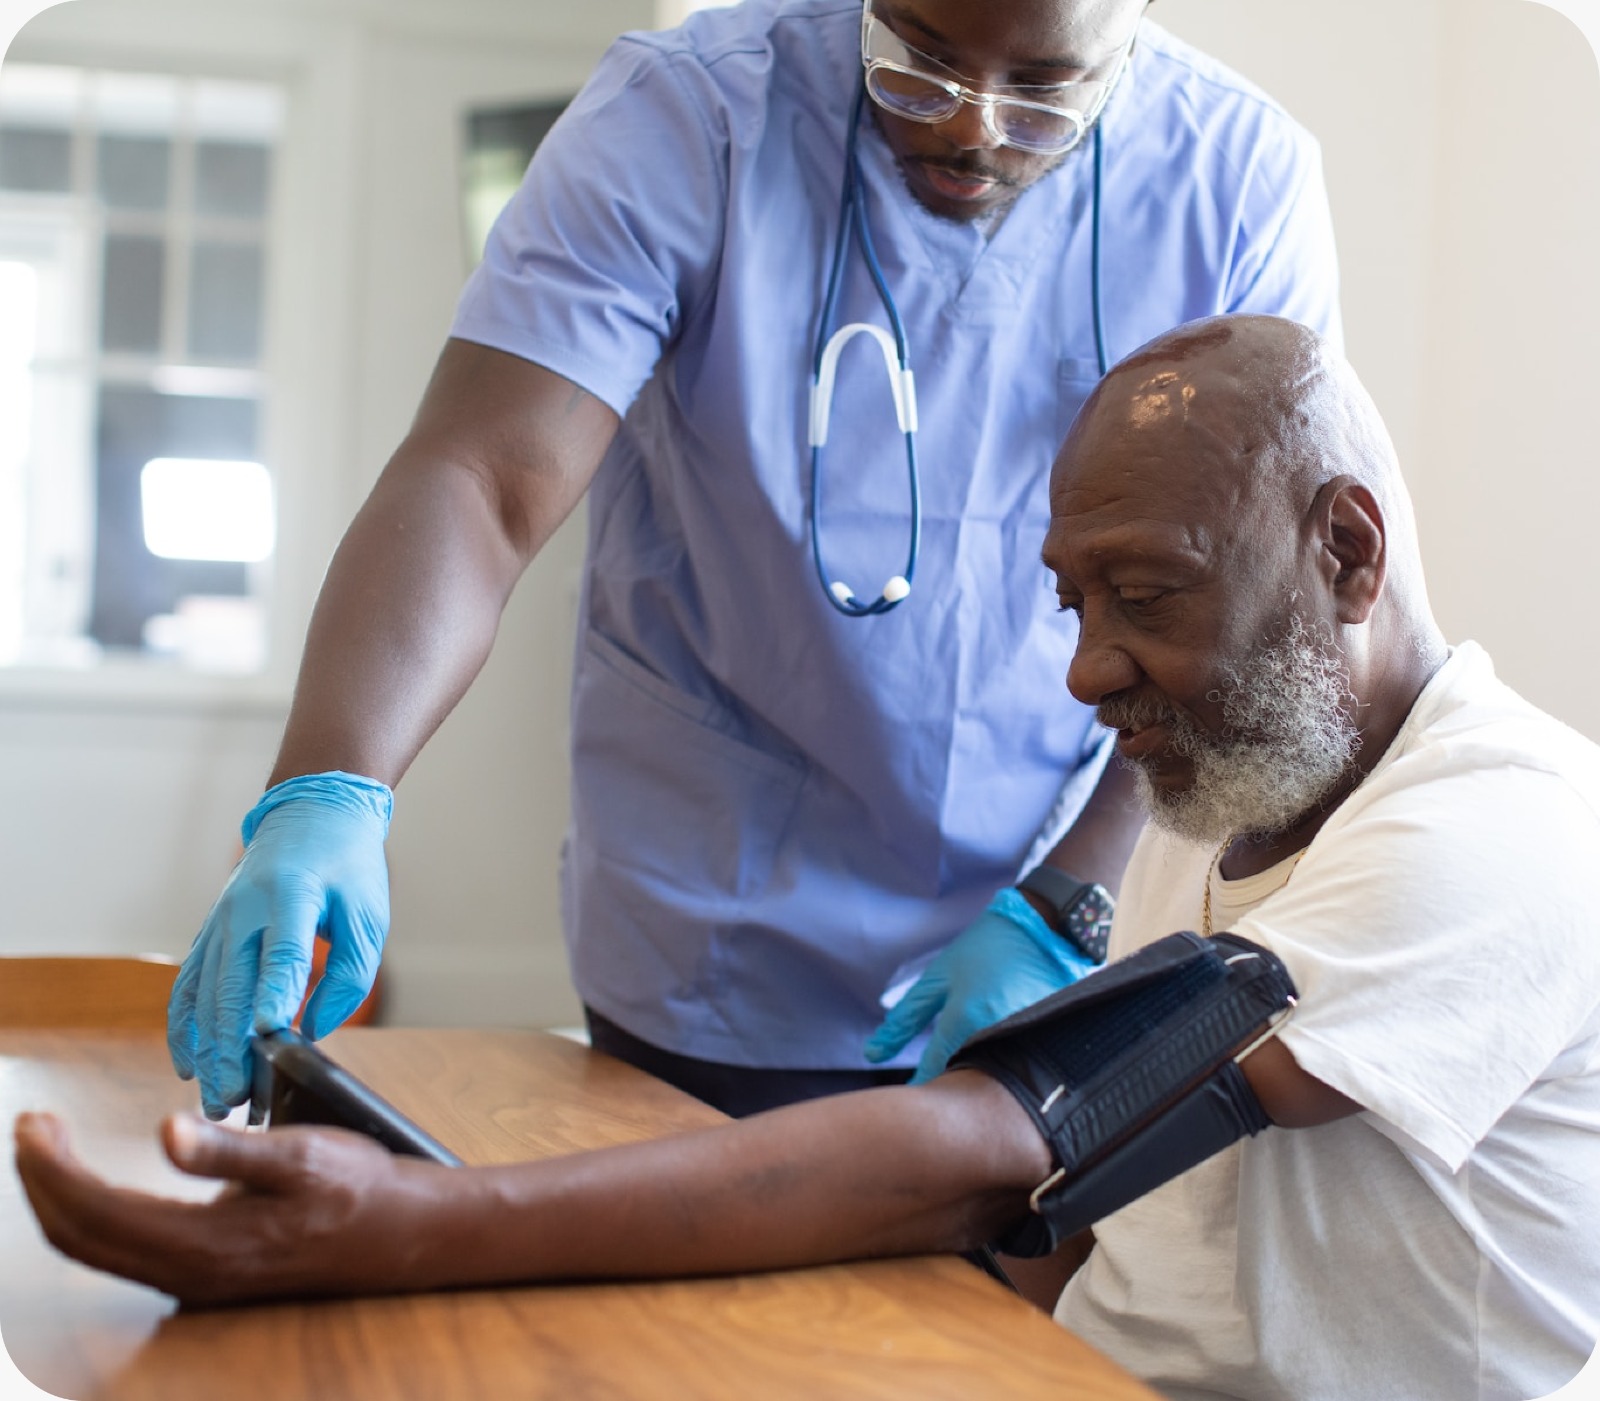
[320,1212]
[405,620]
[886,1172]
[1097,846]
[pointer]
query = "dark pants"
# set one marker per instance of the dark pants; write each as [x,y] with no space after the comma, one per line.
[734,1089]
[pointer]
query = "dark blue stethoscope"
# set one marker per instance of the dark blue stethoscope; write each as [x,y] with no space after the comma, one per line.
[897,361]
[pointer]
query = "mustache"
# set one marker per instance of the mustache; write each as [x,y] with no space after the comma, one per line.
[1133,712]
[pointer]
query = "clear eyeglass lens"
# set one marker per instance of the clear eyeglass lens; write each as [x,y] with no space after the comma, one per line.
[911,95]
[1036,130]
[924,99]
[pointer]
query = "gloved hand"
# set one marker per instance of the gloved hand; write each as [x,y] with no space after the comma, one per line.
[313,862]
[1005,960]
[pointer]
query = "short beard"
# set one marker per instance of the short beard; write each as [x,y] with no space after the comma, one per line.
[975,166]
[1288,739]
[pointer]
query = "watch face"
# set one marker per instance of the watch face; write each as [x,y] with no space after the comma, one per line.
[1088,922]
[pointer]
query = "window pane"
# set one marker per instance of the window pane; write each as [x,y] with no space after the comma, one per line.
[231,179]
[131,309]
[225,302]
[133,171]
[35,159]
[131,585]
[178,316]
[203,508]
[500,143]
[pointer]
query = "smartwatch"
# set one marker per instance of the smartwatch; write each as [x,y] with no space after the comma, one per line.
[1079,910]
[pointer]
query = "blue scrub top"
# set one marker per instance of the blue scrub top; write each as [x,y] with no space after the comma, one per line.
[777,808]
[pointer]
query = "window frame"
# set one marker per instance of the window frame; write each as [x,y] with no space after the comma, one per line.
[311,237]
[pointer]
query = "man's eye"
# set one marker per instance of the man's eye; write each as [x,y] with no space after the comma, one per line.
[1142,598]
[1071,605]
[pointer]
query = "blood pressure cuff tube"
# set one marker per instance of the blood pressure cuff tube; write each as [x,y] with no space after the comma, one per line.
[1130,1075]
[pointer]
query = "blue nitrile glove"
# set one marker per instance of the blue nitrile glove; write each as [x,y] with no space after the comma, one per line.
[1006,959]
[313,863]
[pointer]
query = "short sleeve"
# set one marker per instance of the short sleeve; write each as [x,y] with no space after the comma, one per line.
[1442,944]
[615,230]
[1287,264]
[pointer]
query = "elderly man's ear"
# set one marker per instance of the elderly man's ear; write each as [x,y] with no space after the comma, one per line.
[1349,534]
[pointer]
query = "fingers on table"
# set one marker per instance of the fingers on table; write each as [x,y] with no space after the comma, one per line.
[150,1239]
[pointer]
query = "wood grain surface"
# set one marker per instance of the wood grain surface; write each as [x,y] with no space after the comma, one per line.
[127,993]
[924,1328]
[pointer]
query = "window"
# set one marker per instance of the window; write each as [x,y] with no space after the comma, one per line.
[500,141]
[135,511]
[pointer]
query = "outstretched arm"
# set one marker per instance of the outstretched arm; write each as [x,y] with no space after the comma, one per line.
[943,1166]
[319,1211]
[500,452]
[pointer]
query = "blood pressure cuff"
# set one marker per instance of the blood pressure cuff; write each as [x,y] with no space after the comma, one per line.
[1130,1074]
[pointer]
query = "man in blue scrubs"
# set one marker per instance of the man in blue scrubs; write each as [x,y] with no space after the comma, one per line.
[781,814]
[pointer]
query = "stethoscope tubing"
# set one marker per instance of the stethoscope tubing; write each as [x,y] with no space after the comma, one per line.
[853,222]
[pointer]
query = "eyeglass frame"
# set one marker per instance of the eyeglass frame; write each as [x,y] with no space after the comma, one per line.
[987,101]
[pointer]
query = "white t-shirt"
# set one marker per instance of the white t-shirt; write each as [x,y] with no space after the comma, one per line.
[1445,939]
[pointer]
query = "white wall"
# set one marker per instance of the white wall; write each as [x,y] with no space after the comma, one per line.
[1509,480]
[1462,146]
[1460,140]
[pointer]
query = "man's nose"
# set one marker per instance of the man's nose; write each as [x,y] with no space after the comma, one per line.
[969,127]
[1099,668]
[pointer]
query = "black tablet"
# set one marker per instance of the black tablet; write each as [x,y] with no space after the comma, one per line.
[297,1084]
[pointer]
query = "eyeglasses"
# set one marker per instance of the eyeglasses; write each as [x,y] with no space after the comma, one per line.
[1047,119]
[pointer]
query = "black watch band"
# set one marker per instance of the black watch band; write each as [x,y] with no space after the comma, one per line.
[1080,910]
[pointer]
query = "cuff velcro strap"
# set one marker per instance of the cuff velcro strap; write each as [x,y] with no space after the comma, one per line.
[1130,1073]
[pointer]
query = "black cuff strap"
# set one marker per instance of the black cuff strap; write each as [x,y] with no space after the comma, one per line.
[1131,1074]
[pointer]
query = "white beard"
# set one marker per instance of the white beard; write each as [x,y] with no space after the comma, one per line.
[1287,740]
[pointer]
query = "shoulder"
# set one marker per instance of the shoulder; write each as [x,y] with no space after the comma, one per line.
[681,114]
[1174,71]
[1473,836]
[741,56]
[1469,729]
[1195,108]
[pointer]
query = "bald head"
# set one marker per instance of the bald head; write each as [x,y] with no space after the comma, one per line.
[1248,418]
[1229,522]
[1262,406]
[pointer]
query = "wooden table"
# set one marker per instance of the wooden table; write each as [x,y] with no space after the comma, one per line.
[924,1328]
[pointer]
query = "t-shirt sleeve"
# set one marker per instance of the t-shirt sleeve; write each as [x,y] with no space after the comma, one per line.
[1286,264]
[1442,947]
[615,230]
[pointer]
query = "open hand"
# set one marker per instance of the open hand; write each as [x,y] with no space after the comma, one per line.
[307,1211]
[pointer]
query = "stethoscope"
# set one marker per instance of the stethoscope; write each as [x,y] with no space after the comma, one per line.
[897,361]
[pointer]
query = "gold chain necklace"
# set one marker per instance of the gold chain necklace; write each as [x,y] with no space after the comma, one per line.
[1211,871]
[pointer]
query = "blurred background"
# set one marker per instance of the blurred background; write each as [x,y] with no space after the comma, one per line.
[231,238]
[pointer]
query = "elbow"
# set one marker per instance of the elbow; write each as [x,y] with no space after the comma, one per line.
[1289,1096]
